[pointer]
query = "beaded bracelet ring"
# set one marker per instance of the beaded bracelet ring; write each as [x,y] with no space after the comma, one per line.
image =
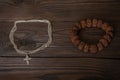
[91,23]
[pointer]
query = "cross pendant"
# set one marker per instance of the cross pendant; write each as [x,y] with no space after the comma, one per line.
[27,59]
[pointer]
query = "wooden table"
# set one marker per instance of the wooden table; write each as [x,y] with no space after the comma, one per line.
[62,60]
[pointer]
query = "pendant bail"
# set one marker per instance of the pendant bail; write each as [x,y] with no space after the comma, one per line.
[27,59]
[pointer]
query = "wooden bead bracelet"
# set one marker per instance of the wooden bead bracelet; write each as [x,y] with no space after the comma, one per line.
[91,23]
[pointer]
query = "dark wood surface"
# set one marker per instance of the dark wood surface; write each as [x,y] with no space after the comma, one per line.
[60,61]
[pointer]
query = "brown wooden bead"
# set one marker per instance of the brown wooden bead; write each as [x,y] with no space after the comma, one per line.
[109,28]
[104,42]
[81,45]
[76,43]
[78,25]
[93,49]
[107,37]
[73,33]
[83,23]
[75,28]
[110,33]
[89,23]
[100,23]
[75,40]
[105,26]
[86,48]
[100,46]
[94,23]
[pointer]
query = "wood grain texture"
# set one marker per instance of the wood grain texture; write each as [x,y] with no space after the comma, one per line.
[60,61]
[60,68]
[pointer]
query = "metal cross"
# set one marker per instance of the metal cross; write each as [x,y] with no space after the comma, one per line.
[27,59]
